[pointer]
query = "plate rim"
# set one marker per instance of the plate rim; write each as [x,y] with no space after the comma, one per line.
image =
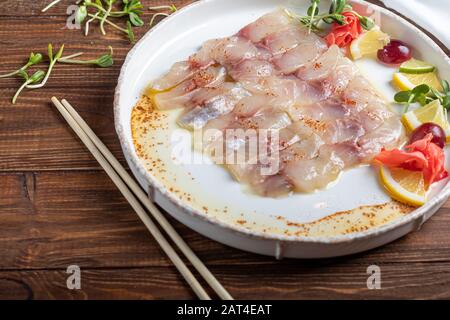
[133,158]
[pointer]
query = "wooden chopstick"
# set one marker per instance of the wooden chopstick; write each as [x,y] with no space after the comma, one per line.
[77,122]
[173,256]
[156,213]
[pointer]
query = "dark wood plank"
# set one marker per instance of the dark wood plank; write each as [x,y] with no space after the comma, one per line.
[422,281]
[57,208]
[155,283]
[35,137]
[51,220]
[33,9]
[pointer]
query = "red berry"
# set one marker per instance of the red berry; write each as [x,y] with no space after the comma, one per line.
[395,52]
[421,132]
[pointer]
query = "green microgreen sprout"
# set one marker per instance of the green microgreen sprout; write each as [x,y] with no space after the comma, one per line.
[366,22]
[424,94]
[133,8]
[313,19]
[103,61]
[40,78]
[419,94]
[52,61]
[103,11]
[105,15]
[171,8]
[35,78]
[50,5]
[34,58]
[444,96]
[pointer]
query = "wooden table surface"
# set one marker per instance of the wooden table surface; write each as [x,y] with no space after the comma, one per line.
[58,208]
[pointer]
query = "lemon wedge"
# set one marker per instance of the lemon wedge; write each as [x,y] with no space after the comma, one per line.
[405,186]
[432,112]
[406,81]
[368,43]
[414,66]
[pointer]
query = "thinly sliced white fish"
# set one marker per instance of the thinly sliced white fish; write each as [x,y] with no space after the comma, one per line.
[227,52]
[286,39]
[309,175]
[266,118]
[298,57]
[389,135]
[251,71]
[248,106]
[180,96]
[332,70]
[266,25]
[215,102]
[179,72]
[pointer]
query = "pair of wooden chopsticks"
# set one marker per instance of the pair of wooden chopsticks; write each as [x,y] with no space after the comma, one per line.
[136,197]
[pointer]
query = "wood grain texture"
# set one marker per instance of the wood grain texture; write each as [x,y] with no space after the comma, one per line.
[57,208]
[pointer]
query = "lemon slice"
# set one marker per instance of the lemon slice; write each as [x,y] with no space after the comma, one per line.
[432,112]
[368,43]
[405,81]
[405,186]
[414,66]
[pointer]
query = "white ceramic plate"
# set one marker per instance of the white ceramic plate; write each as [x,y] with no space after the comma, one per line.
[204,196]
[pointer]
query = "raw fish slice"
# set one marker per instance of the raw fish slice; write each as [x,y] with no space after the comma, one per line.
[179,72]
[279,42]
[212,103]
[202,58]
[341,75]
[330,120]
[308,48]
[264,185]
[360,93]
[323,111]
[251,71]
[233,50]
[227,52]
[312,174]
[266,25]
[343,130]
[248,106]
[389,135]
[360,98]
[266,118]
[307,147]
[181,95]
[299,57]
[273,186]
[373,116]
[331,70]
[260,171]
[349,153]
[321,68]
[286,91]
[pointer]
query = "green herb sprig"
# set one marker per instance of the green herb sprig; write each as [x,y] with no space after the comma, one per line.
[52,61]
[103,61]
[444,96]
[424,94]
[103,11]
[35,78]
[50,5]
[171,9]
[417,94]
[40,78]
[34,58]
[313,19]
